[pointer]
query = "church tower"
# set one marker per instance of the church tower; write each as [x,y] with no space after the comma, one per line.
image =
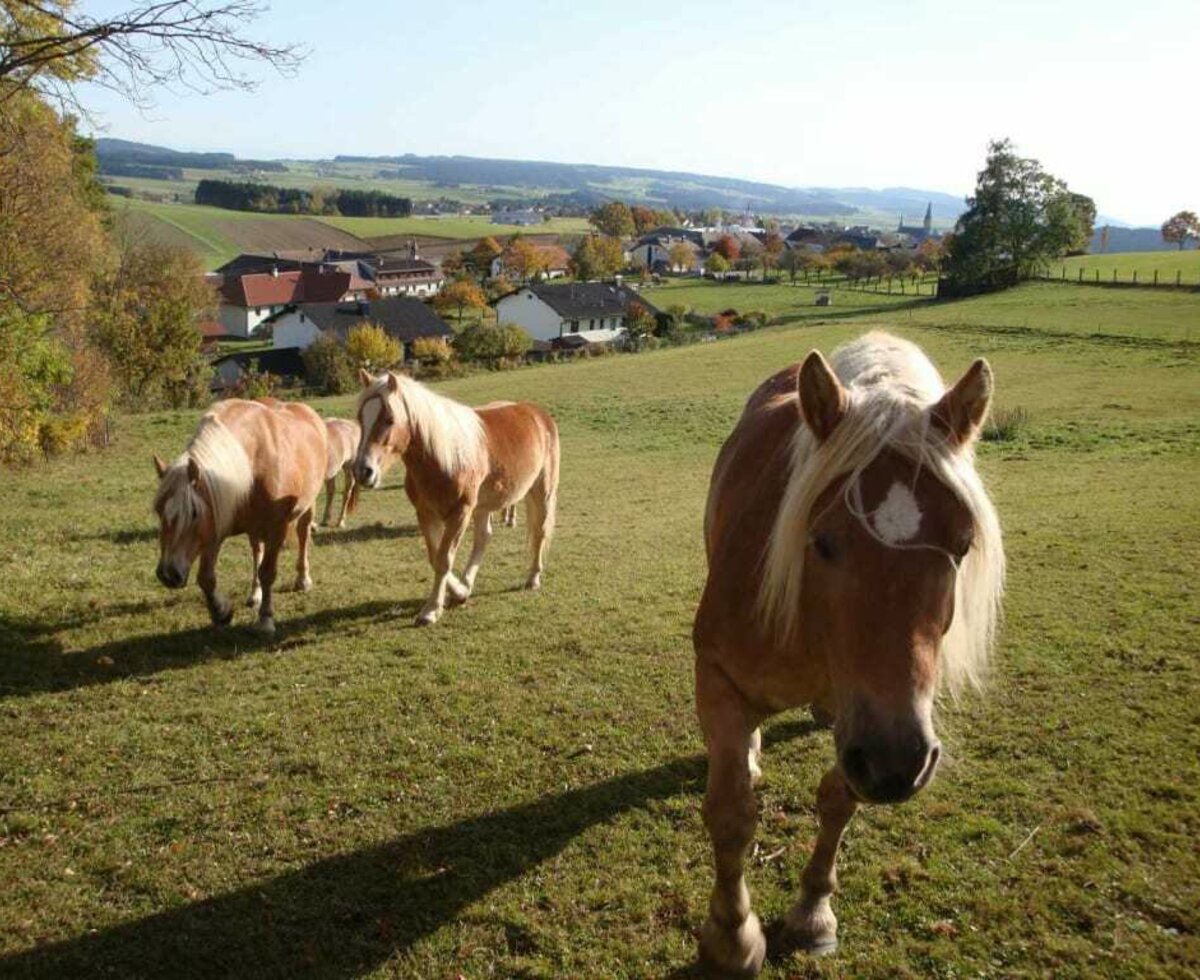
[928,223]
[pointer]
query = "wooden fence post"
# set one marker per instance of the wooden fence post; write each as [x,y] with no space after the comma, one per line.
[1081,273]
[1097,273]
[1135,277]
[1156,277]
[1177,275]
[1114,275]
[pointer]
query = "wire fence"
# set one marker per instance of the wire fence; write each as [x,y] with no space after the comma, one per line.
[1095,275]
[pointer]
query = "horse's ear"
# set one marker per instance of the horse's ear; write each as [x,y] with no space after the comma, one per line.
[962,409]
[193,471]
[364,376]
[159,466]
[823,400]
[393,382]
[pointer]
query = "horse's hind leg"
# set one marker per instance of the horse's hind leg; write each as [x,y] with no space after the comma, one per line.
[219,608]
[304,538]
[483,534]
[330,497]
[539,513]
[510,515]
[256,557]
[811,923]
[348,495]
[731,939]
[443,565]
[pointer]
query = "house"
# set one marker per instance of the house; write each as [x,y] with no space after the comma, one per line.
[524,217]
[594,310]
[231,369]
[804,236]
[402,318]
[653,251]
[250,299]
[556,263]
[403,274]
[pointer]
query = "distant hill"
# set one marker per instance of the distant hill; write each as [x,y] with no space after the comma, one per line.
[1122,239]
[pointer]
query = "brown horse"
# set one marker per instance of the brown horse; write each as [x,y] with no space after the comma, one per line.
[253,468]
[342,442]
[461,464]
[854,559]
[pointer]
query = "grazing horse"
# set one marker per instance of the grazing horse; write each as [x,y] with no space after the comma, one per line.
[342,441]
[854,561]
[461,464]
[253,468]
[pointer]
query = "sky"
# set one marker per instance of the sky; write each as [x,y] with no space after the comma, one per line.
[804,93]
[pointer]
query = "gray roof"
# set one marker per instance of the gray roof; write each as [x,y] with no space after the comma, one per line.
[402,317]
[587,299]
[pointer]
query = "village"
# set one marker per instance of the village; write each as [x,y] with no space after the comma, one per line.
[554,288]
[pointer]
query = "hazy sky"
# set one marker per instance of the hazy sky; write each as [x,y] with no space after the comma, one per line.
[802,92]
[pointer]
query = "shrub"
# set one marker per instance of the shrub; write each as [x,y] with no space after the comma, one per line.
[368,346]
[1005,425]
[328,367]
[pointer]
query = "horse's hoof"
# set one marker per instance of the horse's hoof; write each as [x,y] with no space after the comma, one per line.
[223,616]
[737,954]
[456,598]
[812,929]
[265,626]
[534,582]
[822,716]
[428,617]
[303,585]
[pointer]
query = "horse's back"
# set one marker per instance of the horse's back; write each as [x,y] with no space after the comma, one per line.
[522,446]
[343,438]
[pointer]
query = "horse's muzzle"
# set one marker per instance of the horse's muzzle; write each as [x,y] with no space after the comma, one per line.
[881,771]
[367,475]
[170,576]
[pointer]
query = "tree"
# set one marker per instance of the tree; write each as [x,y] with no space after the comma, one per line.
[773,248]
[1019,218]
[613,219]
[597,257]
[479,259]
[48,47]
[751,257]
[639,324]
[368,346]
[681,258]
[795,260]
[146,321]
[728,248]
[524,258]
[328,367]
[1181,227]
[716,265]
[644,219]
[491,342]
[460,295]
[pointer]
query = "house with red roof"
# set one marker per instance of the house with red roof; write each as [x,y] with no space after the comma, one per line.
[250,299]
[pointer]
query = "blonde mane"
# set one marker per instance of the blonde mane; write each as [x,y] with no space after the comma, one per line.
[449,432]
[891,386]
[224,468]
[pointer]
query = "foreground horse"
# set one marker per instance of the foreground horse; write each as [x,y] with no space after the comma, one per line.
[854,559]
[342,443]
[461,464]
[253,468]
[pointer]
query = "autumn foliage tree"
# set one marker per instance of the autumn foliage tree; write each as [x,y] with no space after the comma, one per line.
[460,295]
[613,219]
[728,248]
[369,347]
[1181,227]
[681,257]
[597,257]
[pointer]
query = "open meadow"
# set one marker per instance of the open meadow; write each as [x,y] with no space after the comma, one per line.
[515,792]
[1167,263]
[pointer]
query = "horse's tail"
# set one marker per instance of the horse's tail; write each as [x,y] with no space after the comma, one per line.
[352,500]
[549,509]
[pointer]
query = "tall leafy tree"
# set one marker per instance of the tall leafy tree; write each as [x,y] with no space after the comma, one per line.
[1181,227]
[1019,219]
[613,219]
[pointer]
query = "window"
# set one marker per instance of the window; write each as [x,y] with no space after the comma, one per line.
[258,311]
[592,323]
[574,326]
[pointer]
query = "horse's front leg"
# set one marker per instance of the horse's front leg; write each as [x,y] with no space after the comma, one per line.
[330,500]
[266,576]
[443,564]
[304,527]
[731,940]
[219,608]
[811,923]
[347,496]
[432,530]
[483,534]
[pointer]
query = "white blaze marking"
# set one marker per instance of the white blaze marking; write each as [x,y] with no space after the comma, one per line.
[370,410]
[898,518]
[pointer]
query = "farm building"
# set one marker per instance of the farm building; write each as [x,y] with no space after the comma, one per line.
[594,310]
[248,300]
[402,318]
[524,217]
[231,369]
[654,252]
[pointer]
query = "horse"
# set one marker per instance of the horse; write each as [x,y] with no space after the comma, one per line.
[855,565]
[253,468]
[342,442]
[461,464]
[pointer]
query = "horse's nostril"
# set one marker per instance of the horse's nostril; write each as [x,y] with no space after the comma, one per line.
[855,765]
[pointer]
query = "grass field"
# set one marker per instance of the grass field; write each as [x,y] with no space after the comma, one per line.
[516,792]
[457,226]
[217,235]
[1035,309]
[1167,263]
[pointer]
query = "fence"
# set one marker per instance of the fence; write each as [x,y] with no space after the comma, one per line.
[895,285]
[1148,278]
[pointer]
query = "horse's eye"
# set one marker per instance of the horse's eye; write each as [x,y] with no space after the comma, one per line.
[823,546]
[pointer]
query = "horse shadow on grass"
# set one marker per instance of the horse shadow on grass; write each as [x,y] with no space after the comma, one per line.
[347,915]
[365,532]
[33,660]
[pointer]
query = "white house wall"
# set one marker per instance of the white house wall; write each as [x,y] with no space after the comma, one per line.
[294,329]
[538,319]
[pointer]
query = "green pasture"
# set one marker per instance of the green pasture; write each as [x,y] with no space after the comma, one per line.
[455,226]
[1167,263]
[1033,310]
[516,791]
